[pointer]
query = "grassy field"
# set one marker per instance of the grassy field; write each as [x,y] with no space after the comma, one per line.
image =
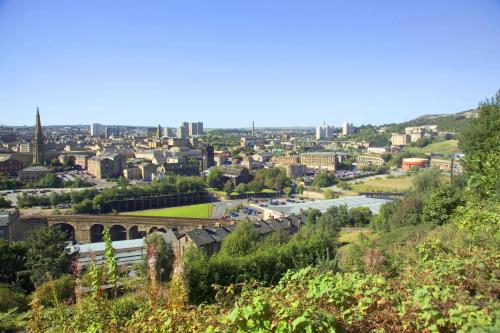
[393,184]
[443,147]
[201,211]
[447,147]
[348,236]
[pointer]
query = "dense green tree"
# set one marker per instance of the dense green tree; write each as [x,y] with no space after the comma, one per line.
[360,216]
[241,241]
[255,186]
[369,133]
[335,217]
[323,179]
[164,256]
[83,207]
[439,205]
[47,255]
[13,269]
[346,164]
[426,180]
[196,269]
[273,178]
[50,180]
[228,187]
[215,178]
[9,183]
[313,215]
[11,299]
[98,202]
[480,141]
[422,142]
[240,188]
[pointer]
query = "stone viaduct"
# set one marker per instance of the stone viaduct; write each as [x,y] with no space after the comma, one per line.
[89,228]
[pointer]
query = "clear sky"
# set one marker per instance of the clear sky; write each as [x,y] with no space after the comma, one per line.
[278,62]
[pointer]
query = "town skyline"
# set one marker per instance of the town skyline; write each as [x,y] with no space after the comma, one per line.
[336,124]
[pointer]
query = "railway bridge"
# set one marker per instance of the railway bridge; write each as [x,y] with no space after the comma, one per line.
[89,228]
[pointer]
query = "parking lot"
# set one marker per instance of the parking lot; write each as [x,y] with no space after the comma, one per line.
[302,206]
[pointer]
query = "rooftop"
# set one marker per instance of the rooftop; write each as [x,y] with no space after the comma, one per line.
[35,168]
[354,201]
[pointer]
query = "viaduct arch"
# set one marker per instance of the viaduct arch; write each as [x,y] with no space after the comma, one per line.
[88,228]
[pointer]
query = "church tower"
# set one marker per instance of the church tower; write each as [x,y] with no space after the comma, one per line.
[159,133]
[38,144]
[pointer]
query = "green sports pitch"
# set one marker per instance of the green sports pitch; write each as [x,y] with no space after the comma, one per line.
[200,211]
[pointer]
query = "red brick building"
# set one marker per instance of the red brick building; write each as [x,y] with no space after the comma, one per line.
[9,166]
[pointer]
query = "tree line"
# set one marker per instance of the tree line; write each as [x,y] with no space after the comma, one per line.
[91,200]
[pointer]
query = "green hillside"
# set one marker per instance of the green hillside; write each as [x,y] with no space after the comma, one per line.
[446,122]
[446,147]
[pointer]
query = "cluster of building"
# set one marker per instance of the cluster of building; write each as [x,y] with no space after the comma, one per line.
[210,239]
[152,153]
[129,252]
[185,130]
[109,153]
[326,132]
[413,134]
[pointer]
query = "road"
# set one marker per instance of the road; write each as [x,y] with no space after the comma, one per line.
[357,180]
[219,207]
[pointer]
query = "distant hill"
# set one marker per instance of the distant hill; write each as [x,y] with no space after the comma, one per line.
[445,122]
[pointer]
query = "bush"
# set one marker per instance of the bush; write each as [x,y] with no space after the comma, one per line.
[126,306]
[10,299]
[4,203]
[164,256]
[360,216]
[59,290]
[329,194]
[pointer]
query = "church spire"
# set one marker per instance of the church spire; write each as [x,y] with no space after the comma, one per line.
[38,144]
[159,133]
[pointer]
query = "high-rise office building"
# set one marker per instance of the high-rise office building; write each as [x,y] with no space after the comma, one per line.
[187,129]
[347,129]
[183,131]
[168,132]
[324,132]
[193,129]
[96,129]
[111,131]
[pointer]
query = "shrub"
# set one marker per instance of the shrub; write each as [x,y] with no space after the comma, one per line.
[58,290]
[125,306]
[329,194]
[10,299]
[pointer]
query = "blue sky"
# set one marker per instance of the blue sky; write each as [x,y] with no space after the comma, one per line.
[279,62]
